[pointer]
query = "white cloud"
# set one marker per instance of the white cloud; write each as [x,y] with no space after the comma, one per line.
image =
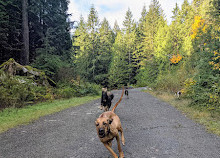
[74,11]
[116,9]
[135,6]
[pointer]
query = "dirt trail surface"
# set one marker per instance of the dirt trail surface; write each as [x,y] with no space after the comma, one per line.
[153,129]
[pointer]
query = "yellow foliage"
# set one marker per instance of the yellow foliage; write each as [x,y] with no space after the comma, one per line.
[216,53]
[198,24]
[183,91]
[216,61]
[211,63]
[187,86]
[176,58]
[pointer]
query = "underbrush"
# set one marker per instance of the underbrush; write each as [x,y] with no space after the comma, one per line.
[201,86]
[169,82]
[18,91]
[74,89]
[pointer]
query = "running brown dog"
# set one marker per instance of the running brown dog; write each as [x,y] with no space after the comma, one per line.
[108,126]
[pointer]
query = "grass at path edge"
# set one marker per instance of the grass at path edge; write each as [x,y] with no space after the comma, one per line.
[12,117]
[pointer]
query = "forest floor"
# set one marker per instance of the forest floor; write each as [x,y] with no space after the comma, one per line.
[152,128]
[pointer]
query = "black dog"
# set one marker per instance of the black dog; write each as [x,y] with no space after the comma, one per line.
[126,92]
[106,99]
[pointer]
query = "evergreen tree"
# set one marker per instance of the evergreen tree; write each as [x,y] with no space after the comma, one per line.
[128,23]
[123,54]
[119,72]
[130,45]
[45,18]
[153,25]
[154,18]
[10,30]
[104,56]
[4,27]
[92,26]
[175,12]
[142,20]
[184,24]
[81,49]
[95,41]
[24,57]
[116,29]
[140,38]
[163,42]
[49,23]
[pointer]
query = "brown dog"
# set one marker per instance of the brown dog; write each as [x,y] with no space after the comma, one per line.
[108,126]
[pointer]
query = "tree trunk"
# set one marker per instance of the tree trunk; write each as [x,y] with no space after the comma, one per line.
[24,57]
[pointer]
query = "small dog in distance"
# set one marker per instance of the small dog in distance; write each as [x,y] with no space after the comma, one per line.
[126,92]
[178,94]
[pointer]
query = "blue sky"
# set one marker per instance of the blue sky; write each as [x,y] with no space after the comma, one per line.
[116,9]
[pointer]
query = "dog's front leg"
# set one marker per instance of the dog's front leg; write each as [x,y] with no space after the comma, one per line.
[110,143]
[122,135]
[121,154]
[106,108]
[110,150]
[101,107]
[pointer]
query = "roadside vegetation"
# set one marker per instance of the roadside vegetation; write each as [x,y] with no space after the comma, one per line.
[210,118]
[12,117]
[23,85]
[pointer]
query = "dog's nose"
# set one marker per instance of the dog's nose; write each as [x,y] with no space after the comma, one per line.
[101,131]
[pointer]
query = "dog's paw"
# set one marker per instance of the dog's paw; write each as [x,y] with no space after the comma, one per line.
[121,155]
[123,141]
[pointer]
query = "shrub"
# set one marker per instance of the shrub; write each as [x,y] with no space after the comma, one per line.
[49,63]
[188,87]
[74,89]
[67,92]
[206,91]
[168,82]
[17,91]
[146,76]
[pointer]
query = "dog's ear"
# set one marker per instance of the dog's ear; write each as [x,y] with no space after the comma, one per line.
[96,123]
[104,89]
[110,121]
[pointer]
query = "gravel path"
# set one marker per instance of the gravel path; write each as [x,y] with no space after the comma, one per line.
[153,129]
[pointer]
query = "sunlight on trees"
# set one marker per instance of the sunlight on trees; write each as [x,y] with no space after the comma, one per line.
[144,52]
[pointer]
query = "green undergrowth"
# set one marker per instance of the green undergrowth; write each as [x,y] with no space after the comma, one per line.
[210,118]
[12,117]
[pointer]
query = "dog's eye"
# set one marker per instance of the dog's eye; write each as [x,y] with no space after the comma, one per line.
[97,124]
[104,123]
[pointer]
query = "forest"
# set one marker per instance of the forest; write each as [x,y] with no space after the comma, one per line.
[49,62]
